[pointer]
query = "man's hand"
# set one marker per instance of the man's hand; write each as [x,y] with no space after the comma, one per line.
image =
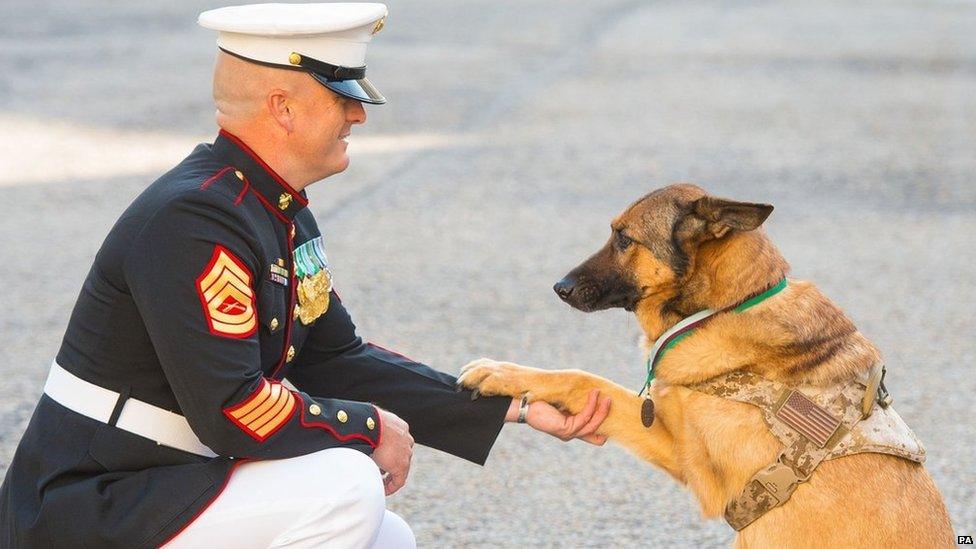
[394,452]
[542,416]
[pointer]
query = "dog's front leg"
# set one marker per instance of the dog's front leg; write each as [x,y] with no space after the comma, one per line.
[568,390]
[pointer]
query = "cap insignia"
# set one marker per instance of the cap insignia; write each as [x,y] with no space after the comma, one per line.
[379,25]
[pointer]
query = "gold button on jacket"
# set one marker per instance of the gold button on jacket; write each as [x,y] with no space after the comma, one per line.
[342,416]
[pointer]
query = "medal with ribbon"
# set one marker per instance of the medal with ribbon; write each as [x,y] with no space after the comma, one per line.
[315,280]
[683,329]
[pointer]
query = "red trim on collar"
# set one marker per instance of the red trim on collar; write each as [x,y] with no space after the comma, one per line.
[274,175]
[270,208]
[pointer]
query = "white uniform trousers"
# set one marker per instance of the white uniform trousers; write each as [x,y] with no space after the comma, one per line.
[331,498]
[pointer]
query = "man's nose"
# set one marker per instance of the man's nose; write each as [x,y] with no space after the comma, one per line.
[564,288]
[356,114]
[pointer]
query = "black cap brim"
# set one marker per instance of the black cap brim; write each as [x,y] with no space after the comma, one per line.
[361,89]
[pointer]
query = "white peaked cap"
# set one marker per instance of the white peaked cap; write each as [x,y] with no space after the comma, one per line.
[327,40]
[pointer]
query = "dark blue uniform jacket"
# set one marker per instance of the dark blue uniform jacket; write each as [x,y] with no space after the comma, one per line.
[191,306]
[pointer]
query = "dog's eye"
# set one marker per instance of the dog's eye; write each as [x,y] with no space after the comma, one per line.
[622,241]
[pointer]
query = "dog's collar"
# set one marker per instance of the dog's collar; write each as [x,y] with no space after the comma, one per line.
[686,326]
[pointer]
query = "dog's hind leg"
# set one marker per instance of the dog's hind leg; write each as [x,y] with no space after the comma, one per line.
[568,390]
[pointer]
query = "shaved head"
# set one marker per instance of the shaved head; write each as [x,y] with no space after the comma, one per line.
[297,125]
[241,89]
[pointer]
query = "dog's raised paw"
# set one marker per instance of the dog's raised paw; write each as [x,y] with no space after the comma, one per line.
[490,377]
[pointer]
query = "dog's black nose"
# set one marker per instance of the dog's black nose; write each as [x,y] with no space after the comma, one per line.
[564,288]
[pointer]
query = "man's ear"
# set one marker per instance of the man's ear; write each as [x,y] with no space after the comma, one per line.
[722,215]
[279,105]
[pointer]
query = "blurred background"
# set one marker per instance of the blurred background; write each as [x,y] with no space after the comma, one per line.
[514,132]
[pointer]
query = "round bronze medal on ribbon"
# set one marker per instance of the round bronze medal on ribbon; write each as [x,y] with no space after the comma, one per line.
[647,412]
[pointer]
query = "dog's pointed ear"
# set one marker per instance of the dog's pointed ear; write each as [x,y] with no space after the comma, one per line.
[722,215]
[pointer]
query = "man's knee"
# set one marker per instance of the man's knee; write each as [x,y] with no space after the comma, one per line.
[394,533]
[346,475]
[342,495]
[346,480]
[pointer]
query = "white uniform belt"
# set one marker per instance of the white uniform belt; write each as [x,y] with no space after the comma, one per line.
[137,417]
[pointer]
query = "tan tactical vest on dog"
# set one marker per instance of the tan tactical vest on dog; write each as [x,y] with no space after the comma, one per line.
[813,424]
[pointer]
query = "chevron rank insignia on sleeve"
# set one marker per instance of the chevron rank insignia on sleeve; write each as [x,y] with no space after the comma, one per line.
[265,411]
[226,294]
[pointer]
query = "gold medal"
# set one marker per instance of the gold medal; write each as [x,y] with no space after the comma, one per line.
[313,296]
[311,268]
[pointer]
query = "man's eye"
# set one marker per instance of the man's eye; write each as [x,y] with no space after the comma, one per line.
[622,241]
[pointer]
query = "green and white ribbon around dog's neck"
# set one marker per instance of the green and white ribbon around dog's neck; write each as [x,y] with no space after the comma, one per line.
[686,326]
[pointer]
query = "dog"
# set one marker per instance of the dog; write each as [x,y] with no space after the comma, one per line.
[678,251]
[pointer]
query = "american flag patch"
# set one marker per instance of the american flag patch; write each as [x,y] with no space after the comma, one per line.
[807,418]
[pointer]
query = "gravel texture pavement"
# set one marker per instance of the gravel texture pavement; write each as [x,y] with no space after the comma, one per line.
[515,131]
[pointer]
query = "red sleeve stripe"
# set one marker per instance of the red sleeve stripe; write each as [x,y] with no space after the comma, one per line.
[391,351]
[265,411]
[273,396]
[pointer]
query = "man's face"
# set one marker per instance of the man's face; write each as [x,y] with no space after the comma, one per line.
[323,130]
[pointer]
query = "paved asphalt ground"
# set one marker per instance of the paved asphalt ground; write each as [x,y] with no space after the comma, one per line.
[515,131]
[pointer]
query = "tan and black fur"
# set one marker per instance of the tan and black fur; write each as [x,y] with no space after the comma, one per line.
[677,251]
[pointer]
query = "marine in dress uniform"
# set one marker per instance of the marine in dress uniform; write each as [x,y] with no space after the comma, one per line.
[211,289]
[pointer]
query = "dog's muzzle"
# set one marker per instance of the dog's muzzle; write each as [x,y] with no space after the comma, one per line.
[564,288]
[581,293]
[588,295]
